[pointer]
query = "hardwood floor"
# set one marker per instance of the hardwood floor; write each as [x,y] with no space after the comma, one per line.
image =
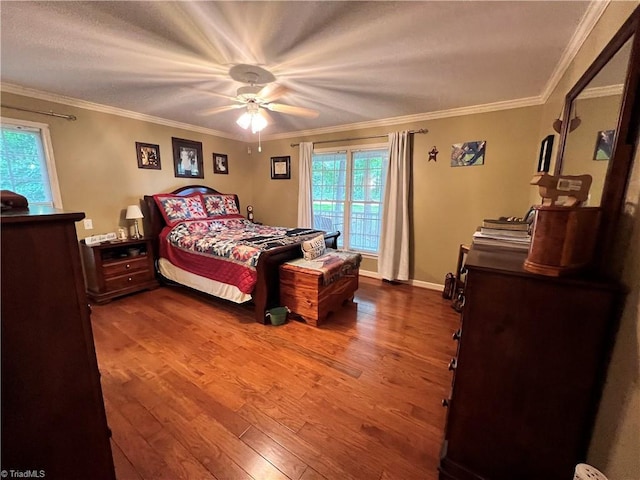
[195,389]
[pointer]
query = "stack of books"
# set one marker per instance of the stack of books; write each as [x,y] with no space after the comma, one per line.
[503,234]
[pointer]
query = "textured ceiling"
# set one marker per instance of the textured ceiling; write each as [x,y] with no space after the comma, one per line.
[352,61]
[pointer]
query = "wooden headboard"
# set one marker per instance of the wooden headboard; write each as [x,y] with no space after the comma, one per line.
[153,219]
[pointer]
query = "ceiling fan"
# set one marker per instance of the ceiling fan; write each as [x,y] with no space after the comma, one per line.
[258,96]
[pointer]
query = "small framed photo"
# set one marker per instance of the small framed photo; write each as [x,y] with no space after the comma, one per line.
[280,168]
[468,153]
[604,145]
[187,158]
[148,155]
[220,163]
[544,158]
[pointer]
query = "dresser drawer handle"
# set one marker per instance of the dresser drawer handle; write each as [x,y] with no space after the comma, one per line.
[445,402]
[127,266]
[456,335]
[453,364]
[130,279]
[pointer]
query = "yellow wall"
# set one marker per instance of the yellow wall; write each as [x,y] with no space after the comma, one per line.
[98,173]
[448,203]
[97,166]
[615,445]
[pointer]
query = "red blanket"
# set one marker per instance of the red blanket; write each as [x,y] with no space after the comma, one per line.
[225,250]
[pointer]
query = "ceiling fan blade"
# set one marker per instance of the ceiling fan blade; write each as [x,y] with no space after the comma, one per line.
[291,110]
[224,108]
[219,95]
[209,93]
[272,92]
[266,115]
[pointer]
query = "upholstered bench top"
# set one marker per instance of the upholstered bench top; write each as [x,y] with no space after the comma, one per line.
[332,265]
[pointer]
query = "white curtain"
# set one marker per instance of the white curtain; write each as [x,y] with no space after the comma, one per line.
[305,205]
[393,260]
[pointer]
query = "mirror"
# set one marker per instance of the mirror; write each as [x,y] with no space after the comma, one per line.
[588,148]
[606,99]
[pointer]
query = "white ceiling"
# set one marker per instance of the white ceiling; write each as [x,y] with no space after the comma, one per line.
[354,62]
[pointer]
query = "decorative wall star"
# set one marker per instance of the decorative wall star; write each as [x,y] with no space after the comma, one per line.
[433,154]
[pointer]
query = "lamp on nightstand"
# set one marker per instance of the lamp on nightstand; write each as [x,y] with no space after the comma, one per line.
[134,213]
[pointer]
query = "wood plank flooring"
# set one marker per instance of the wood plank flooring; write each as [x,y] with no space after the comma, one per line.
[195,389]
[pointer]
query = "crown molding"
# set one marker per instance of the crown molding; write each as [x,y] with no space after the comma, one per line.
[75,102]
[588,21]
[596,92]
[420,117]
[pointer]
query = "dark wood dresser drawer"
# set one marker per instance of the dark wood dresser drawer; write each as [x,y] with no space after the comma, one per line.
[114,269]
[126,281]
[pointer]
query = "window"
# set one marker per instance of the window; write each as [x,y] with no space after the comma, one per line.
[347,194]
[26,162]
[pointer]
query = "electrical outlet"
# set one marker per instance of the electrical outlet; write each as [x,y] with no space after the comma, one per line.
[88,224]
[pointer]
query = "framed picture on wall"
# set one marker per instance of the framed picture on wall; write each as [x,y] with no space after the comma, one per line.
[544,158]
[220,163]
[468,153]
[280,168]
[187,158]
[148,155]
[604,145]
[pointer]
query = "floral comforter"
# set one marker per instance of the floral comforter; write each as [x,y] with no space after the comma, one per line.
[225,249]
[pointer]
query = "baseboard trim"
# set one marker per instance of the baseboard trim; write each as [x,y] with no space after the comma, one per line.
[413,283]
[427,285]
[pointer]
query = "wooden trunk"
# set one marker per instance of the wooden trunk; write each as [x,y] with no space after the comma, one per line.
[303,292]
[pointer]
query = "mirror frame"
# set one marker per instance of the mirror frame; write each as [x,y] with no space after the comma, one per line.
[621,161]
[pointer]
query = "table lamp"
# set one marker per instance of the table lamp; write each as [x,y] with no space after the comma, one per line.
[134,213]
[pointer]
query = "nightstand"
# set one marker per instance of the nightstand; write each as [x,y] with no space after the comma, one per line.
[113,269]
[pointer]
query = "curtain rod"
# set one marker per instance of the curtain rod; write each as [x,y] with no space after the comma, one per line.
[40,112]
[422,130]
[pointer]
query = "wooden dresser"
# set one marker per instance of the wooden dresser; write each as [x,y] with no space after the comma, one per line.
[53,417]
[527,379]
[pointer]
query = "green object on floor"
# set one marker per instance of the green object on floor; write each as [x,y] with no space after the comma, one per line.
[278,315]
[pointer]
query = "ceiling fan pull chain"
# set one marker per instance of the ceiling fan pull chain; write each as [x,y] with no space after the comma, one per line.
[259,142]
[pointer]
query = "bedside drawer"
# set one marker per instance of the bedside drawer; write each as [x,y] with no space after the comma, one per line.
[129,265]
[126,281]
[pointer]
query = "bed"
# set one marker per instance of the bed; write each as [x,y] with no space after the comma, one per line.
[232,258]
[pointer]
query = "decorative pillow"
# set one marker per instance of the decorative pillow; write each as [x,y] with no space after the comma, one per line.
[214,205]
[217,205]
[230,204]
[175,208]
[313,248]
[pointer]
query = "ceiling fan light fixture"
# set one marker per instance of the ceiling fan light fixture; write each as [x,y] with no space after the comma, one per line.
[258,122]
[245,120]
[253,118]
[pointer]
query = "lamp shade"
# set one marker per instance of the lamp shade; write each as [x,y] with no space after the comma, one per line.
[258,122]
[133,212]
[245,120]
[253,118]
